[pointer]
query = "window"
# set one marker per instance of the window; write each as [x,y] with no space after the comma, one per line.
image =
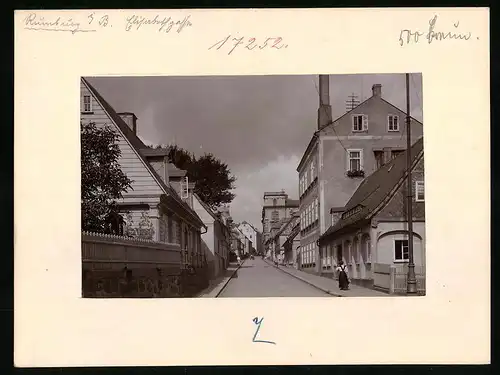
[275,216]
[355,160]
[87,103]
[393,123]
[419,191]
[359,123]
[401,252]
[275,202]
[316,209]
[312,171]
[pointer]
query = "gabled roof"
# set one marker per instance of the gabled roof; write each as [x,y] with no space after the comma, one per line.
[246,222]
[138,145]
[293,233]
[317,132]
[286,225]
[207,208]
[173,171]
[375,190]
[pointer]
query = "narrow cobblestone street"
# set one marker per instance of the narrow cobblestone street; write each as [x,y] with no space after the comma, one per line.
[257,278]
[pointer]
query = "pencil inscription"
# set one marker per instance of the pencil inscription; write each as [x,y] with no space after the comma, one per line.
[407,36]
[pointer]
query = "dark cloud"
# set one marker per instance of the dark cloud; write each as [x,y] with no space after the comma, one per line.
[253,123]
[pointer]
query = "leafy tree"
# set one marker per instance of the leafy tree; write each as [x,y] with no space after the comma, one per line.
[212,178]
[103,182]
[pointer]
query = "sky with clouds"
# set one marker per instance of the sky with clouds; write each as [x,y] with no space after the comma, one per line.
[259,125]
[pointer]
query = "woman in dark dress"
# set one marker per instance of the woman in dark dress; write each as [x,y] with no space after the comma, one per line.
[343,278]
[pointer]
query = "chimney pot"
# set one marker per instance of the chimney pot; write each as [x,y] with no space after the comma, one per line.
[325,109]
[377,89]
[130,119]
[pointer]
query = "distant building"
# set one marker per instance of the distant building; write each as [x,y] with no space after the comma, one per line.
[280,236]
[340,154]
[253,235]
[292,247]
[276,206]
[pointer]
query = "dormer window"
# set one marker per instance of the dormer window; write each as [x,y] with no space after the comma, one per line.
[393,123]
[419,191]
[87,104]
[359,123]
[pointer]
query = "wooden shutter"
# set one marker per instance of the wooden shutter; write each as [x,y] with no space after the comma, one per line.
[365,122]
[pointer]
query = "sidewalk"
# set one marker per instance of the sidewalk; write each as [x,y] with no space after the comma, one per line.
[217,285]
[330,286]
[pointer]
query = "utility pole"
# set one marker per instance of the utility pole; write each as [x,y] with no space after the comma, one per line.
[411,281]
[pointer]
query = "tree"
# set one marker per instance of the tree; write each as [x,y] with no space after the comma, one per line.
[103,182]
[212,178]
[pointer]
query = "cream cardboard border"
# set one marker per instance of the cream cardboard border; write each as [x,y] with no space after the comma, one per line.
[54,327]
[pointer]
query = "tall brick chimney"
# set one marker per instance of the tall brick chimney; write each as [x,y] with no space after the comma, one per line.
[130,119]
[325,109]
[377,89]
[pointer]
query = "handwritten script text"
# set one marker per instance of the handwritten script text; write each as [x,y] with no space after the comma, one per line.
[249,43]
[39,23]
[258,323]
[164,24]
[408,36]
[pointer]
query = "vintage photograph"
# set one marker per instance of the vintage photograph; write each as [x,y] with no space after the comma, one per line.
[252,186]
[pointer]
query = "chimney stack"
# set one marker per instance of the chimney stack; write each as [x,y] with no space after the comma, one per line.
[325,109]
[377,90]
[130,119]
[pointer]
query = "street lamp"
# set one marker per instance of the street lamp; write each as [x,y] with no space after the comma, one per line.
[411,281]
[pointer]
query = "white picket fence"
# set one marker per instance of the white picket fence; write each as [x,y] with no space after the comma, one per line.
[393,278]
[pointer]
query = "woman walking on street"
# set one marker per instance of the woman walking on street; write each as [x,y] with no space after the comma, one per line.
[343,278]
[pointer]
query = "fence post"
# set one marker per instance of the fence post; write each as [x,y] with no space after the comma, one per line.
[392,279]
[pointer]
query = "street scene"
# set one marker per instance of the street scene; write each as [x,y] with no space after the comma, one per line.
[252,186]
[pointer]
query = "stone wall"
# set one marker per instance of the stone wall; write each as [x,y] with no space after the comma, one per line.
[143,283]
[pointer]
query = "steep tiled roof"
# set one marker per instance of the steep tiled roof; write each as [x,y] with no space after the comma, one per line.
[138,145]
[207,208]
[375,189]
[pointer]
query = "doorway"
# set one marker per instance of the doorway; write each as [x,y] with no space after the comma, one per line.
[339,253]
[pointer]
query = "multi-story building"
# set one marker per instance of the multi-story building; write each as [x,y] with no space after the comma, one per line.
[252,234]
[371,235]
[276,206]
[280,237]
[340,154]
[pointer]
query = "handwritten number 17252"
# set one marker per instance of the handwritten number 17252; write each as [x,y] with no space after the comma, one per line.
[249,43]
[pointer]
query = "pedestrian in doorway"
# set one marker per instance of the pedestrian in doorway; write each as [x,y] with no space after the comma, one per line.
[239,260]
[343,276]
